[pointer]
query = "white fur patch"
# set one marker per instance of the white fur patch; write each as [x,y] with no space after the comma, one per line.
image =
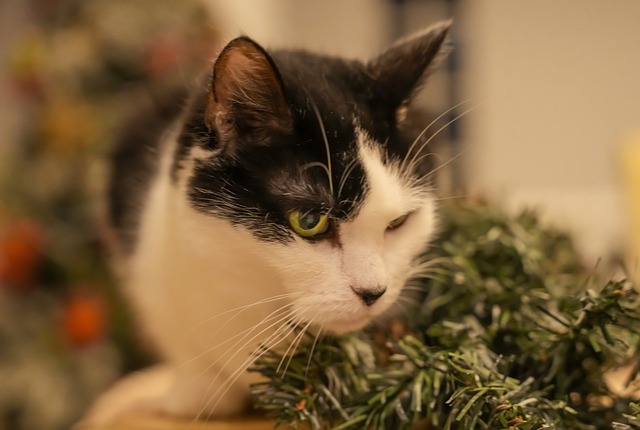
[209,294]
[369,256]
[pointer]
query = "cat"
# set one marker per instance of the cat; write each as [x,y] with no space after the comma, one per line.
[284,193]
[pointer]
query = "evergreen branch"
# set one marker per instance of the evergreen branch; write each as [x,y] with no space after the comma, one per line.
[632,418]
[505,337]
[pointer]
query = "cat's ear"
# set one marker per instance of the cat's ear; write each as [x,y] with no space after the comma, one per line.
[246,103]
[403,68]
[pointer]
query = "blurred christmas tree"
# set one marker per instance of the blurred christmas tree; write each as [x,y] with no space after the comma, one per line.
[76,72]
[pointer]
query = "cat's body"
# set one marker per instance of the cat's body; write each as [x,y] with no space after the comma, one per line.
[285,193]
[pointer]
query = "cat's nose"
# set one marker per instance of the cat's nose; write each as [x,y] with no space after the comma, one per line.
[369,296]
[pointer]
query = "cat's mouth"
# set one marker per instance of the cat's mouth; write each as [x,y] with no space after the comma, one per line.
[341,310]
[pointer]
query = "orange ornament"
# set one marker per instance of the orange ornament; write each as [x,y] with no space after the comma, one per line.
[84,319]
[21,248]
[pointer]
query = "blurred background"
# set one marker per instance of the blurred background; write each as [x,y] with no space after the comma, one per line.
[548,93]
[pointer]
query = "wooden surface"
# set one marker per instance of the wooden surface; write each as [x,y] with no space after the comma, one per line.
[170,424]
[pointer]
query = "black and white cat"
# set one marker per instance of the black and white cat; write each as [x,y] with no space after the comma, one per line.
[284,193]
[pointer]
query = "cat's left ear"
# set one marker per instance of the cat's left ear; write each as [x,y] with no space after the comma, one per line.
[246,104]
[403,68]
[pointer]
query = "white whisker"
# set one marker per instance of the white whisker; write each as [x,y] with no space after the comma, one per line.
[317,164]
[326,144]
[345,176]
[246,332]
[242,367]
[237,348]
[296,325]
[433,263]
[273,340]
[295,342]
[428,275]
[408,300]
[417,156]
[273,315]
[313,348]
[424,130]
[451,160]
[442,199]
[244,307]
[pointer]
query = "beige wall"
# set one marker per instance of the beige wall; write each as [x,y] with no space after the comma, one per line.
[559,87]
[353,28]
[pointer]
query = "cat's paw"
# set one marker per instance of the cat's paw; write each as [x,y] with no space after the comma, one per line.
[159,391]
[202,398]
[140,393]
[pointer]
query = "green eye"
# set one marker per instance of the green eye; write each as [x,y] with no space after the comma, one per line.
[308,224]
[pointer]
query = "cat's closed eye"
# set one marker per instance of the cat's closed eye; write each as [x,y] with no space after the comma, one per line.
[398,222]
[309,224]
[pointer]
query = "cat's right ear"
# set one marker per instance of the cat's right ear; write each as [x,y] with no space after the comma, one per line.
[246,103]
[402,69]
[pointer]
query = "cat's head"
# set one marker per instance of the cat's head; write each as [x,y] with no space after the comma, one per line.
[307,158]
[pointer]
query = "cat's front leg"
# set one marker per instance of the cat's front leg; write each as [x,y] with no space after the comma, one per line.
[204,395]
[139,393]
[165,390]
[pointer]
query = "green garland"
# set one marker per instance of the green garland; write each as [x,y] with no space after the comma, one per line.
[510,332]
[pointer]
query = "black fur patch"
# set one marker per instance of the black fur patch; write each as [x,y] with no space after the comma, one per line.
[134,162]
[257,183]
[259,188]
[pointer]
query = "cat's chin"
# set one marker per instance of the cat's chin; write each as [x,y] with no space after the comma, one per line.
[346,325]
[341,321]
